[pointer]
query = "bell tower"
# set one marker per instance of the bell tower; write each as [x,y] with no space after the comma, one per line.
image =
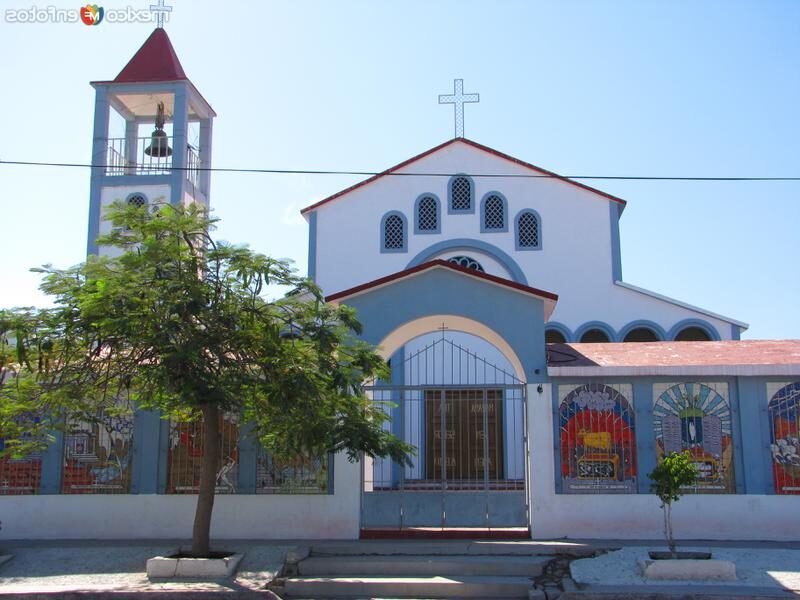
[152,136]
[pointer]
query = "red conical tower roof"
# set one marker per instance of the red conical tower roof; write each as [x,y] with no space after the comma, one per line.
[154,61]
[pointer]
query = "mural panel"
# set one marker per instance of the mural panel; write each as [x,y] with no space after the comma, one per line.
[186,449]
[301,475]
[98,453]
[697,417]
[597,438]
[784,437]
[20,476]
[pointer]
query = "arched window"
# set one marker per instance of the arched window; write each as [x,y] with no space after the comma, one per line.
[493,213]
[393,232]
[641,334]
[467,262]
[693,334]
[594,336]
[427,214]
[554,336]
[529,231]
[461,192]
[137,199]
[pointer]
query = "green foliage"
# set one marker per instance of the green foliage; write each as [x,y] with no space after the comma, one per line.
[179,320]
[675,471]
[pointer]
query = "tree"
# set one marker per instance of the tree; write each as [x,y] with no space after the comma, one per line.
[180,323]
[675,472]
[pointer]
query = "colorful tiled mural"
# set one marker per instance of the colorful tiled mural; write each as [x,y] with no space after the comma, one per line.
[186,449]
[597,438]
[300,475]
[697,417]
[784,437]
[20,475]
[97,454]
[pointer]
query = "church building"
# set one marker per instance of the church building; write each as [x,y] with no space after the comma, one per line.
[538,386]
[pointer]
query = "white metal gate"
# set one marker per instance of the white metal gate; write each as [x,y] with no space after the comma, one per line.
[467,418]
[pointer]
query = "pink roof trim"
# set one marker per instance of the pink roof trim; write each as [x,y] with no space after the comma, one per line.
[448,265]
[474,145]
[675,354]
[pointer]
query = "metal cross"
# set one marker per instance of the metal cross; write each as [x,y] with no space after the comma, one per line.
[458,98]
[160,9]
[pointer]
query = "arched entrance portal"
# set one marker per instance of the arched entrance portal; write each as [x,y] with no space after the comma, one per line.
[463,409]
[457,398]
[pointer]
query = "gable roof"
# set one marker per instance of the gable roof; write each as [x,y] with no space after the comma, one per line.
[549,297]
[469,142]
[728,357]
[156,60]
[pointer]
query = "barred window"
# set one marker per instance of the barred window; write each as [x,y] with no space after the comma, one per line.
[528,234]
[461,194]
[494,213]
[393,232]
[137,199]
[427,214]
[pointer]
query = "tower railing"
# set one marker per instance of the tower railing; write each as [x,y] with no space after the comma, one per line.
[128,157]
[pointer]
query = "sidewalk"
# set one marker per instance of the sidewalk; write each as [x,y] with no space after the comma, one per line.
[762,569]
[60,568]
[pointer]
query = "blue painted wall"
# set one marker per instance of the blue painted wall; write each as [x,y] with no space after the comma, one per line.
[520,322]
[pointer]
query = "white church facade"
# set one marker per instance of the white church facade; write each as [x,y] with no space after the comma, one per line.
[538,387]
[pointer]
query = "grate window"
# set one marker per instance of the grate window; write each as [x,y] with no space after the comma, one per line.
[137,200]
[467,262]
[427,214]
[528,231]
[393,233]
[461,194]
[494,214]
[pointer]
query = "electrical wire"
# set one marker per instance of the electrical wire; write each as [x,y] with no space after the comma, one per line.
[405,174]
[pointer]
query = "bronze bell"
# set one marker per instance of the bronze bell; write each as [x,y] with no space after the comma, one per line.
[159,145]
[159,141]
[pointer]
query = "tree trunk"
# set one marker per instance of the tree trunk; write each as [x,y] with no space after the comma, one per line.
[201,534]
[670,539]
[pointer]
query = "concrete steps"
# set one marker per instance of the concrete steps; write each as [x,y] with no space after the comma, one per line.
[417,565]
[450,586]
[381,570]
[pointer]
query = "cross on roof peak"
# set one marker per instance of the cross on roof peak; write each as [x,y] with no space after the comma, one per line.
[161,10]
[458,98]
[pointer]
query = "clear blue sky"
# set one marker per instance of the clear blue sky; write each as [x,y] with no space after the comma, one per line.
[685,88]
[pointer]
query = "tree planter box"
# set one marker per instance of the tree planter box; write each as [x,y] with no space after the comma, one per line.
[666,555]
[689,569]
[179,566]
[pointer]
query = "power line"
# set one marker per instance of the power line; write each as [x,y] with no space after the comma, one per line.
[398,174]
